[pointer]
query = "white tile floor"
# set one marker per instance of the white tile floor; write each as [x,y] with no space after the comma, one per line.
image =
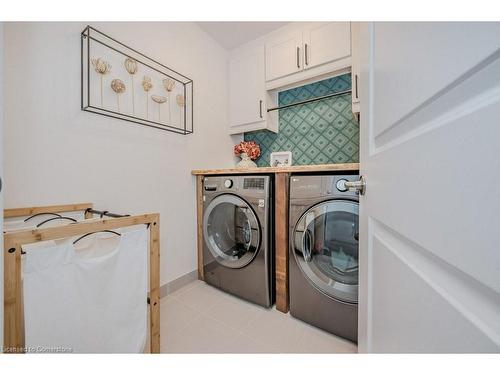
[201,319]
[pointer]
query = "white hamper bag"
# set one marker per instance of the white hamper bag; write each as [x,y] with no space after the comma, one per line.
[17,223]
[90,297]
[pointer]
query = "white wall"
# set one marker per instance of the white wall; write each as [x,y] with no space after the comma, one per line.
[55,153]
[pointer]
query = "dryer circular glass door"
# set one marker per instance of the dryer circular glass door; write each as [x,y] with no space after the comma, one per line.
[326,248]
[231,231]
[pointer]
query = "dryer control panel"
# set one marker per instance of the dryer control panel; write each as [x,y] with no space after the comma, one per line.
[212,184]
[247,186]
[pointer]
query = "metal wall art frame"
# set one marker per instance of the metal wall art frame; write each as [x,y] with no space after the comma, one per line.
[119,82]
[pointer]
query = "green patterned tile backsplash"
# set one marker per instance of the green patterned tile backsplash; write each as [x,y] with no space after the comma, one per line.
[317,133]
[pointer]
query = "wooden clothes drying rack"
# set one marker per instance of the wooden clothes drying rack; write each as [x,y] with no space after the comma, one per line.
[14,338]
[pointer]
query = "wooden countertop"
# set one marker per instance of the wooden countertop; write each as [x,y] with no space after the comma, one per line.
[295,168]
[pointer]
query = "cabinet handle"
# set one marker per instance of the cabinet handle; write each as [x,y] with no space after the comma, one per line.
[260,108]
[356,84]
[298,57]
[305,51]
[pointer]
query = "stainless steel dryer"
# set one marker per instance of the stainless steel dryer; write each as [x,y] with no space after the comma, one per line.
[323,261]
[237,233]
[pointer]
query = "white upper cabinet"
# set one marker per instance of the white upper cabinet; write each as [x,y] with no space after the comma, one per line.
[326,42]
[314,50]
[247,91]
[291,56]
[284,55]
[355,76]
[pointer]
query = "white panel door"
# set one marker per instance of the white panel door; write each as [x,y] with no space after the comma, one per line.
[284,55]
[430,218]
[247,87]
[326,42]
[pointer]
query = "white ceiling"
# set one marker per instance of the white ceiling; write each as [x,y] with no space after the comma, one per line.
[233,34]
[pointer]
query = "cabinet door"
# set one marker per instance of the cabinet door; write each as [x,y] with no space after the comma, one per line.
[355,66]
[247,87]
[326,42]
[284,55]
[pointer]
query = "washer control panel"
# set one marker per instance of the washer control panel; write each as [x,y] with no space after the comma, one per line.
[228,184]
[322,187]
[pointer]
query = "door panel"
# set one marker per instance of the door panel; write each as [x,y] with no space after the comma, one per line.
[326,42]
[247,87]
[429,259]
[433,293]
[416,60]
[284,55]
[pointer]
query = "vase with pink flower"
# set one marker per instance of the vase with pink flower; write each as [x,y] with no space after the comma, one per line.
[248,152]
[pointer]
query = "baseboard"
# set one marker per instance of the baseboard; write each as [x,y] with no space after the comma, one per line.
[178,283]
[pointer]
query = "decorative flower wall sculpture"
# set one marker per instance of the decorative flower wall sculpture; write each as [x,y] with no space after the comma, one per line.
[147,86]
[169,85]
[118,87]
[181,102]
[160,100]
[102,68]
[132,68]
[120,82]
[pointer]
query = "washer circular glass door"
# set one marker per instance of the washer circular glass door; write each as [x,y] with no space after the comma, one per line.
[231,231]
[326,248]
